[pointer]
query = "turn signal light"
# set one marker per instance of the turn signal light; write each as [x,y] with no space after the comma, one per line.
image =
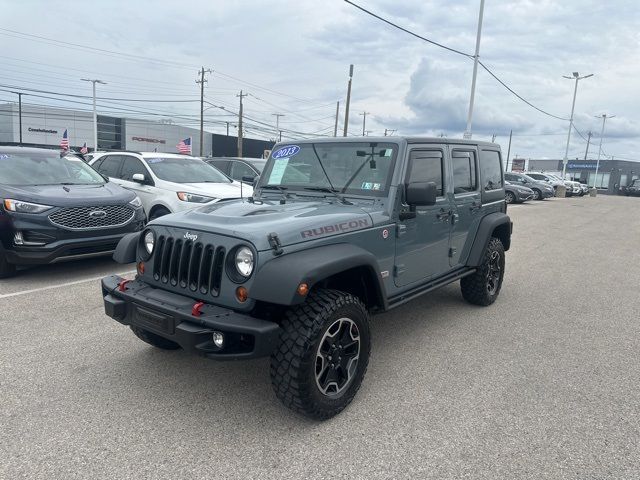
[242,294]
[303,289]
[140,268]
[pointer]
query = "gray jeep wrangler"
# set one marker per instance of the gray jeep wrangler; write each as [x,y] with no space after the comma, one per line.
[337,229]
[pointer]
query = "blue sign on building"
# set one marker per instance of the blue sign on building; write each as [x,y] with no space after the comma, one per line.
[581,165]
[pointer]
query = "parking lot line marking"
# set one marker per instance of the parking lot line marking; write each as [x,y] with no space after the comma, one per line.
[60,285]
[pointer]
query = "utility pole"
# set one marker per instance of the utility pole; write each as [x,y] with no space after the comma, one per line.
[227,128]
[240,123]
[19,114]
[202,81]
[604,117]
[586,152]
[335,127]
[278,115]
[95,115]
[493,139]
[467,133]
[509,150]
[364,122]
[577,78]
[346,112]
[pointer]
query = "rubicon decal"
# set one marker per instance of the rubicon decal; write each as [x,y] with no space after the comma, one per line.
[336,228]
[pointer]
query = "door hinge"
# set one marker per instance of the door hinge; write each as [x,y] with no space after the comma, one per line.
[401,230]
[398,270]
[452,252]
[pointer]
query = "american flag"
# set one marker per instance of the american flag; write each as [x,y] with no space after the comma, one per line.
[64,143]
[184,146]
[84,150]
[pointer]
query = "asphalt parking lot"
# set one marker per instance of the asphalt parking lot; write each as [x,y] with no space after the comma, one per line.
[545,383]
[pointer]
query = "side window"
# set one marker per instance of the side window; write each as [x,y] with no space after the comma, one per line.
[110,166]
[491,170]
[222,165]
[97,163]
[464,171]
[510,177]
[426,166]
[130,166]
[239,170]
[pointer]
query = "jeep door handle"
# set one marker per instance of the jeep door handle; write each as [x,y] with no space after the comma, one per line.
[475,206]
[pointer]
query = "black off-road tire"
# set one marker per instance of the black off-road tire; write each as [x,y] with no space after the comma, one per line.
[6,269]
[509,197]
[483,286]
[155,340]
[537,194]
[294,362]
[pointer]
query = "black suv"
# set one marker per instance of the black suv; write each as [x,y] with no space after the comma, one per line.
[54,208]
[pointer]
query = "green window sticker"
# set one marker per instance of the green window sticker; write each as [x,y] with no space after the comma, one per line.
[277,171]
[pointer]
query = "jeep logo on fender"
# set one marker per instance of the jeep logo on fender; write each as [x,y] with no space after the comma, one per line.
[336,228]
[191,236]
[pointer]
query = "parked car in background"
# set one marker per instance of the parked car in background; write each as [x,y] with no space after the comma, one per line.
[555,182]
[57,208]
[238,168]
[514,193]
[576,189]
[541,190]
[634,188]
[585,188]
[167,182]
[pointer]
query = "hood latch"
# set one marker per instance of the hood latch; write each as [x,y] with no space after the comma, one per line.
[275,244]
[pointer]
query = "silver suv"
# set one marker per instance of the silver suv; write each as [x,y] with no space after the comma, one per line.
[168,182]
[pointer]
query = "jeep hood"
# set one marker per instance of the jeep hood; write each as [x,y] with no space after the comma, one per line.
[293,222]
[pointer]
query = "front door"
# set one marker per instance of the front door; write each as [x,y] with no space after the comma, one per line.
[422,245]
[466,194]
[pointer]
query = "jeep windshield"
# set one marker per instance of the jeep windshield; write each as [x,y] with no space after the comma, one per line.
[185,170]
[45,168]
[352,168]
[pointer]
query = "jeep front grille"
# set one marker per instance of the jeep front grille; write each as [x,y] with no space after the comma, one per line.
[92,218]
[189,265]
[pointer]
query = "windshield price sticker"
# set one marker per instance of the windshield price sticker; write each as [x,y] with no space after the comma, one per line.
[277,171]
[287,151]
[155,160]
[387,152]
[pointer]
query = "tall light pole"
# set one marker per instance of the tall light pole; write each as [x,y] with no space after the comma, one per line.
[364,122]
[467,132]
[346,113]
[577,78]
[95,115]
[278,132]
[604,117]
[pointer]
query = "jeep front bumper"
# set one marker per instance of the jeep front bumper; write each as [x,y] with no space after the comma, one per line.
[170,316]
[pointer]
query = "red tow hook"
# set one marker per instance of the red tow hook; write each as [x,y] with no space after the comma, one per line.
[122,286]
[196,309]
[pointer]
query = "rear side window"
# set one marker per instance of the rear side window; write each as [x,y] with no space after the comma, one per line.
[491,170]
[464,171]
[426,166]
[222,165]
[110,166]
[239,170]
[132,166]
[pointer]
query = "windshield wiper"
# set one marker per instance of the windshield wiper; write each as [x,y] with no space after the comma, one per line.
[333,191]
[282,189]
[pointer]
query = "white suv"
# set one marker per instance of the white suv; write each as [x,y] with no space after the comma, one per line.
[168,182]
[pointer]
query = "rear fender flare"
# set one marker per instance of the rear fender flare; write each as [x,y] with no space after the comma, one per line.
[495,224]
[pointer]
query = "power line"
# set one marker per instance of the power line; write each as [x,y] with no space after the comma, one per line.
[454,51]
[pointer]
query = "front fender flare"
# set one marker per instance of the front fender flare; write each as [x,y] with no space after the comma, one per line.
[127,247]
[278,279]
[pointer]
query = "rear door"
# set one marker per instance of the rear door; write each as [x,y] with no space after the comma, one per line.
[467,202]
[422,245]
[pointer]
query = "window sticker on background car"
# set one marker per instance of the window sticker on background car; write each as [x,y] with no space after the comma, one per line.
[287,151]
[3,156]
[279,166]
[387,152]
[367,186]
[154,160]
[376,186]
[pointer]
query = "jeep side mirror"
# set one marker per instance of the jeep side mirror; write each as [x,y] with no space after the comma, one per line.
[248,179]
[138,177]
[421,193]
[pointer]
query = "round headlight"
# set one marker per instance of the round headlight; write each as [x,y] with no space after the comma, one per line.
[149,241]
[244,261]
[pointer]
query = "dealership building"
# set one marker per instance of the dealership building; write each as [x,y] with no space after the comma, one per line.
[612,174]
[43,126]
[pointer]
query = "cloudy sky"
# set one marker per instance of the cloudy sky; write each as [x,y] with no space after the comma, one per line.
[293,57]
